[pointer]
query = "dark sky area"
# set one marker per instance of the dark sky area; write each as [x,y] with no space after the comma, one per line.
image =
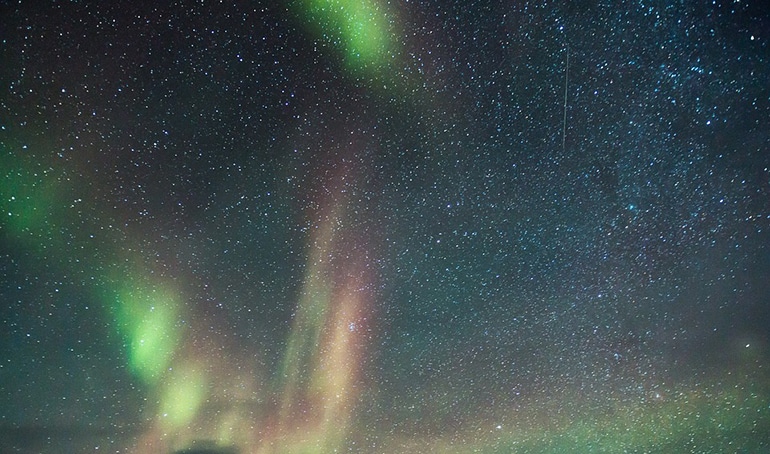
[384,226]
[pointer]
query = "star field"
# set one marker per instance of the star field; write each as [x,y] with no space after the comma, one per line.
[380,226]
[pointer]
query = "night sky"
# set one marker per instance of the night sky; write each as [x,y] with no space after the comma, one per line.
[379,226]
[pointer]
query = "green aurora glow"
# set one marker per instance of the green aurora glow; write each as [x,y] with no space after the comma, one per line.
[360,30]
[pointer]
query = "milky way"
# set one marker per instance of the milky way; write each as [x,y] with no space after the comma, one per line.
[379,226]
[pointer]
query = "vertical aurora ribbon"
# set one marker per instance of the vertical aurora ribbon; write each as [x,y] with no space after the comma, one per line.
[319,377]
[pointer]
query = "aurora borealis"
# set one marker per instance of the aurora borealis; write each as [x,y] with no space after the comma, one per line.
[384,227]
